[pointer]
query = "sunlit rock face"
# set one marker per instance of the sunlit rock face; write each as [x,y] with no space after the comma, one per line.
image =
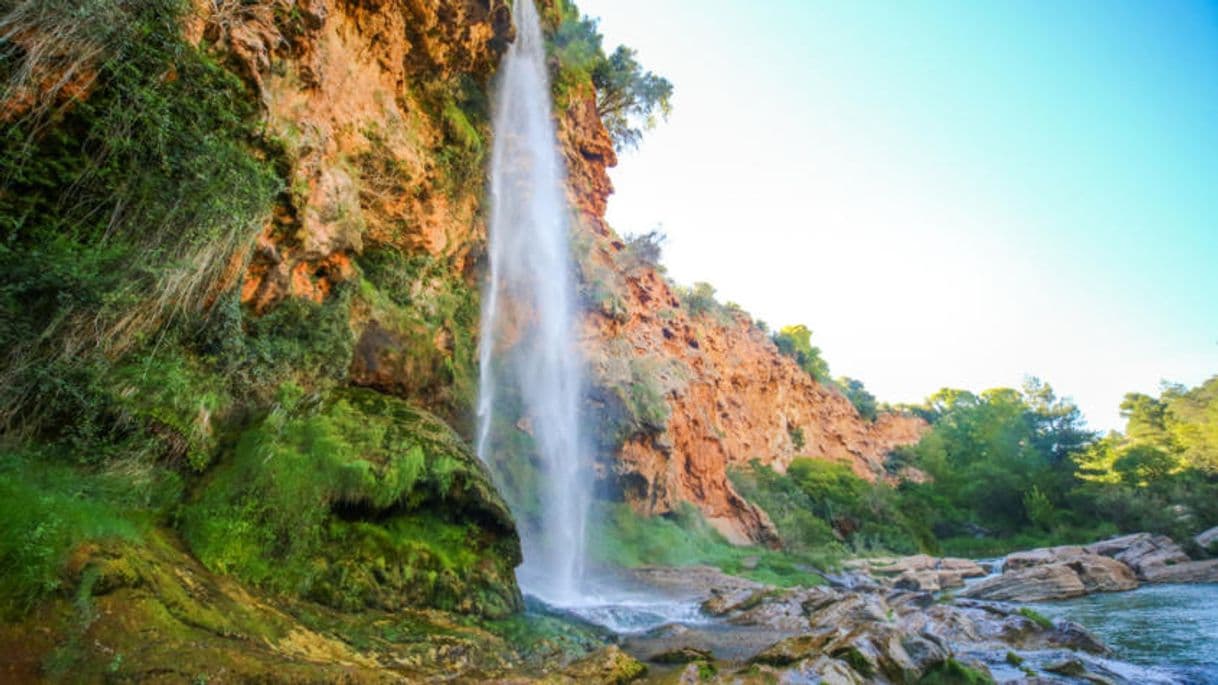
[717,392]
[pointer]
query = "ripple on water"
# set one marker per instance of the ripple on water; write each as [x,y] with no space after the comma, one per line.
[1156,625]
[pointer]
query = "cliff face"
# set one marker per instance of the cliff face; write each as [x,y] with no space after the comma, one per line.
[381,109]
[703,388]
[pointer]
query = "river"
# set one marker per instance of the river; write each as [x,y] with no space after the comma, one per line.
[1168,628]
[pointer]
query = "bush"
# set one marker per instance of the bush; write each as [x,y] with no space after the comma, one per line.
[622,537]
[119,211]
[642,251]
[698,300]
[629,99]
[796,343]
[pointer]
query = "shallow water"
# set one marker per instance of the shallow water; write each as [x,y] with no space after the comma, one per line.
[1173,627]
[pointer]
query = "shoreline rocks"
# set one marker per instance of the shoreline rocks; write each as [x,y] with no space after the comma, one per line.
[1114,565]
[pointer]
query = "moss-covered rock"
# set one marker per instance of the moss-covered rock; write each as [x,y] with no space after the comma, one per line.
[356,500]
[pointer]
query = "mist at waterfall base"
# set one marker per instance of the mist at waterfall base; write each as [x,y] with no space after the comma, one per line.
[531,381]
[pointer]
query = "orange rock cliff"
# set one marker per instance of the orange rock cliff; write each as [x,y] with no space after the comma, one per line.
[676,398]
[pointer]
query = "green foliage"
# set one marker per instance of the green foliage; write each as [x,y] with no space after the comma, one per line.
[856,392]
[1039,510]
[332,499]
[985,452]
[796,343]
[797,436]
[642,251]
[818,503]
[1016,469]
[162,183]
[699,300]
[461,105]
[117,212]
[629,99]
[790,508]
[420,300]
[621,537]
[48,508]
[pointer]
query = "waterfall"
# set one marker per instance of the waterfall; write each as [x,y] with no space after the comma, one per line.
[530,366]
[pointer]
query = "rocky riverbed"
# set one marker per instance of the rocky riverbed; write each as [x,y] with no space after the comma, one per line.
[918,619]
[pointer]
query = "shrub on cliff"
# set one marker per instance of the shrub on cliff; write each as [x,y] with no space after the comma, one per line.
[629,98]
[796,343]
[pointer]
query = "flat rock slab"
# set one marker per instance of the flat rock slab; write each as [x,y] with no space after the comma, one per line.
[1187,572]
[1030,584]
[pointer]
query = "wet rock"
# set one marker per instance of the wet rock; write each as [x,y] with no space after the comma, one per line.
[919,572]
[1103,574]
[1142,552]
[1042,557]
[792,650]
[1030,584]
[608,666]
[827,671]
[682,655]
[1208,540]
[1075,668]
[1187,572]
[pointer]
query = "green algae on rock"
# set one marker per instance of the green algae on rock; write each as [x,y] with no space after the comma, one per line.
[357,500]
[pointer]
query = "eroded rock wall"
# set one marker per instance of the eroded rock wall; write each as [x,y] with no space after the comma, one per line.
[726,395]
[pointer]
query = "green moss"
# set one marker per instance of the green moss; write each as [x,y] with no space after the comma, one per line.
[1036,617]
[952,672]
[420,301]
[49,508]
[856,660]
[356,499]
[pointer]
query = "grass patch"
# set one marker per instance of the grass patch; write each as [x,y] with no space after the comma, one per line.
[49,508]
[621,537]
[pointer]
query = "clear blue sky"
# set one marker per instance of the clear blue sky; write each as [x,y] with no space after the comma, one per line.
[948,193]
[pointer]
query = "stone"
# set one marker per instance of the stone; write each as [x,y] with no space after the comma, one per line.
[610,666]
[1103,574]
[920,581]
[1041,557]
[1208,540]
[1187,572]
[967,568]
[1030,584]
[681,655]
[1150,551]
[828,671]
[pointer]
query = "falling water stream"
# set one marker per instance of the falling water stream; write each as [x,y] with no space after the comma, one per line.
[528,316]
[531,375]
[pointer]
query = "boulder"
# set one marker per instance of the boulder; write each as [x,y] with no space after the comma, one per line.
[1142,552]
[1114,546]
[827,671]
[1030,584]
[1208,540]
[1042,556]
[1187,572]
[1103,574]
[920,581]
[967,568]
